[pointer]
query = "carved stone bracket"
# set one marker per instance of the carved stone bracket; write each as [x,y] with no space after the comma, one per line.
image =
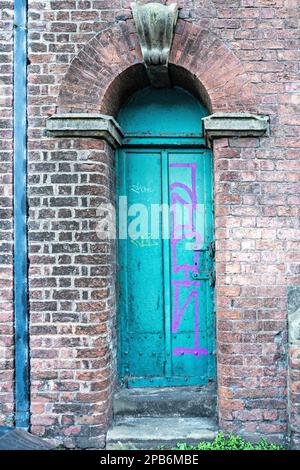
[85,125]
[155,27]
[220,125]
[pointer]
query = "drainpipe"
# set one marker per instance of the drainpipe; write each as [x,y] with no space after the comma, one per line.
[20,216]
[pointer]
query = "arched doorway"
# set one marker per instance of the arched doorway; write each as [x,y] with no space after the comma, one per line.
[165,245]
[107,70]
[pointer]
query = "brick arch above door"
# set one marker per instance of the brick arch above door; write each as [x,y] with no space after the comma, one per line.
[110,66]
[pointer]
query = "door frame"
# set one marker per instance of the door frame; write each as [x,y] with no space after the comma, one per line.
[166,142]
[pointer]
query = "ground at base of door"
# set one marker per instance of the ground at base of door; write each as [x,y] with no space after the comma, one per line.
[151,433]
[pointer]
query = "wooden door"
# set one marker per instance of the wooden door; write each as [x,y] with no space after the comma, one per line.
[166,277]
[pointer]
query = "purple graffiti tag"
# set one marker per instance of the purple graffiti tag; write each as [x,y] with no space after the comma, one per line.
[180,311]
[195,351]
[181,232]
[184,267]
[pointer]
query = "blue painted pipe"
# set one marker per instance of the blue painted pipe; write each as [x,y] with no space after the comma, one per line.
[20,217]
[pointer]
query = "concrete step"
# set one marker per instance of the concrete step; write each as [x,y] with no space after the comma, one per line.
[169,401]
[149,433]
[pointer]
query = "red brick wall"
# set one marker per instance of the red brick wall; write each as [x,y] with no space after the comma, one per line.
[72,299]
[248,61]
[6,224]
[71,272]
[257,225]
[252,273]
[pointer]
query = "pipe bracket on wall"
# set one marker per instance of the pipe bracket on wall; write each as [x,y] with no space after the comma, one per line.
[155,25]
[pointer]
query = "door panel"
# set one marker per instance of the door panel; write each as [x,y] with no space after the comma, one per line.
[142,306]
[189,194]
[166,296]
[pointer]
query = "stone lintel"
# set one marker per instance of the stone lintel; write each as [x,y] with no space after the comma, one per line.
[100,126]
[220,125]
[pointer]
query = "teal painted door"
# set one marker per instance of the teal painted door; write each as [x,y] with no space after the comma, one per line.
[166,277]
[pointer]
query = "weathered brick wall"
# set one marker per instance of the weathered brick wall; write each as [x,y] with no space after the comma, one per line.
[257,224]
[6,221]
[252,275]
[256,205]
[71,272]
[72,301]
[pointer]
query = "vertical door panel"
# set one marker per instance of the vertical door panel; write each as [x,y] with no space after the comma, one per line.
[190,236]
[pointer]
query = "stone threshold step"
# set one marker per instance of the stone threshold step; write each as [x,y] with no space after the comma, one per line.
[149,433]
[168,401]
